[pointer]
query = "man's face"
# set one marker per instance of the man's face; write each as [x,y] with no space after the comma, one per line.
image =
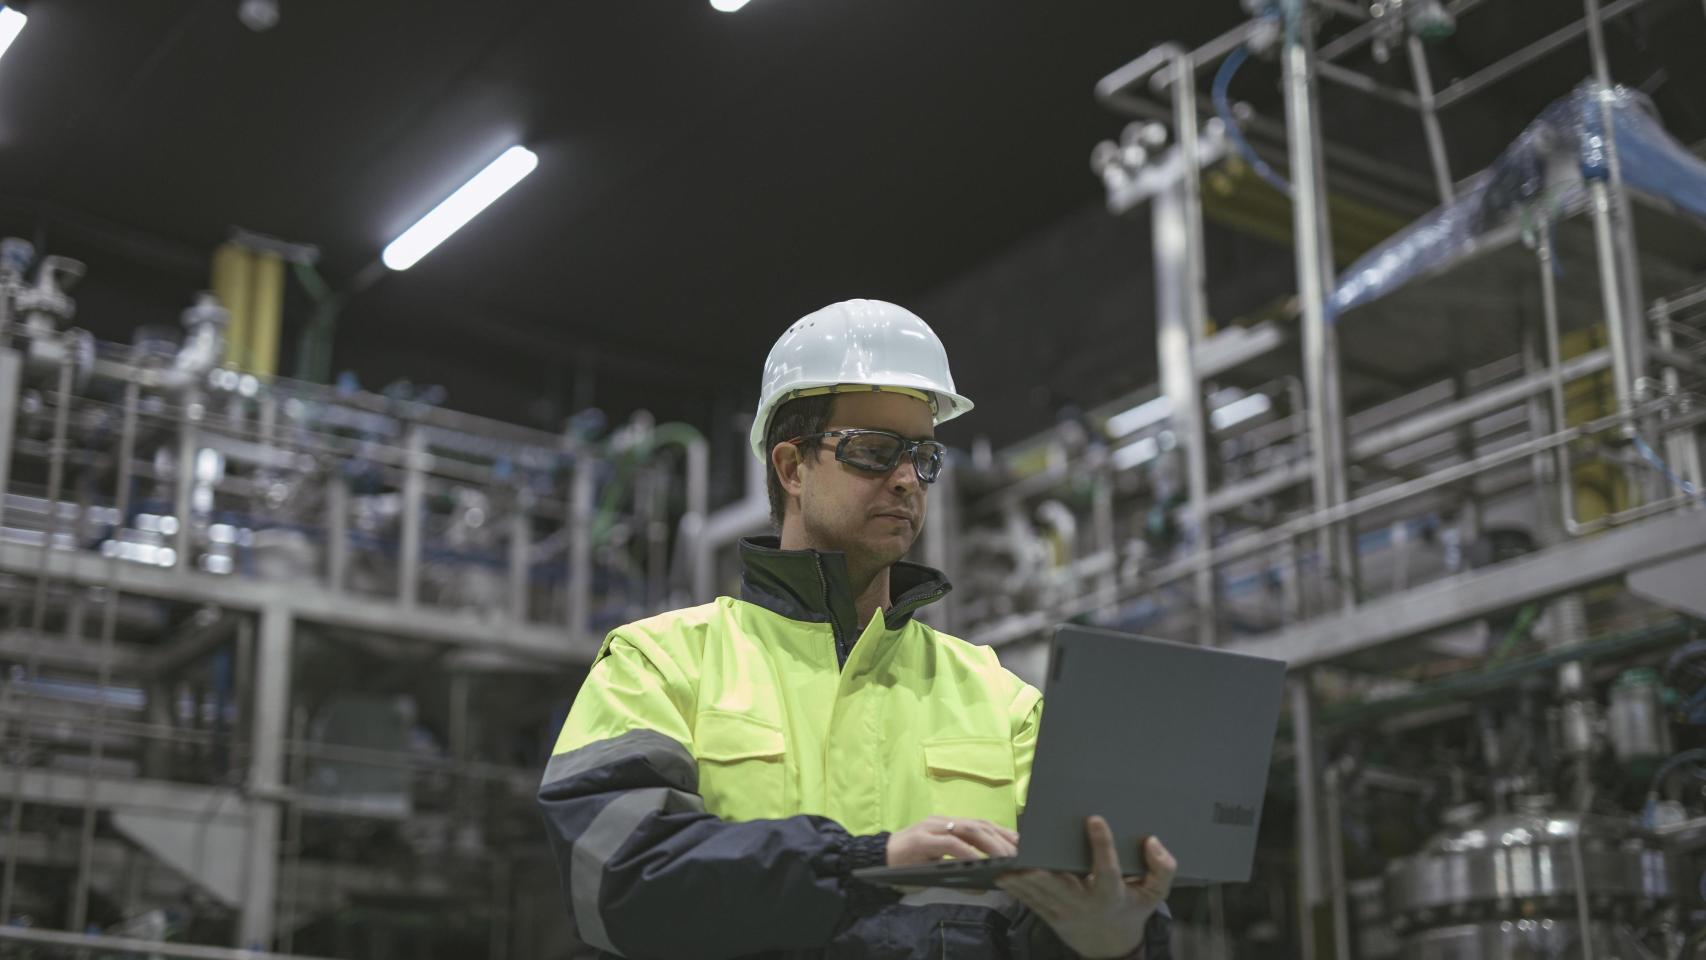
[872,517]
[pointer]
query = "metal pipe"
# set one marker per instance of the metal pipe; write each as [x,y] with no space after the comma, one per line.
[109,628]
[271,712]
[1190,181]
[11,379]
[1622,219]
[460,746]
[579,596]
[183,503]
[1110,91]
[1430,118]
[1682,447]
[1611,297]
[1182,320]
[1502,68]
[1332,782]
[1555,380]
[1387,496]
[1363,83]
[337,532]
[1309,883]
[298,765]
[1541,467]
[652,484]
[698,511]
[1584,916]
[1364,32]
[38,616]
[414,493]
[520,557]
[1313,263]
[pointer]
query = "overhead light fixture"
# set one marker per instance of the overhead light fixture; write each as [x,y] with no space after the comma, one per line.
[11,24]
[728,6]
[460,207]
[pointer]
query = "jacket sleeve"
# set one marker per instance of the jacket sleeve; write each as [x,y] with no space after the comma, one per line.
[646,871]
[1032,938]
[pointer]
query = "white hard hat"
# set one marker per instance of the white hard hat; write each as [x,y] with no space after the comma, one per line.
[856,344]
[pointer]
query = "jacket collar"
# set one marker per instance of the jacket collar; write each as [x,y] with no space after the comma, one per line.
[812,585]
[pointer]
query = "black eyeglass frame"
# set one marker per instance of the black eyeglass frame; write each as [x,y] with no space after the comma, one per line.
[907,448]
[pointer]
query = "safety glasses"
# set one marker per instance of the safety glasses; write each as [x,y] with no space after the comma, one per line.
[878,451]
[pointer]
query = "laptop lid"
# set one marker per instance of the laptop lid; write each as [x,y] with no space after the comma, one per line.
[1162,739]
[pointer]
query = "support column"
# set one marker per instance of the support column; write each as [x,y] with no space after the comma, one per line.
[270,713]
[1314,278]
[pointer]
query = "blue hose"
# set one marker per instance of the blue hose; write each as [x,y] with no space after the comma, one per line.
[1223,108]
[1658,464]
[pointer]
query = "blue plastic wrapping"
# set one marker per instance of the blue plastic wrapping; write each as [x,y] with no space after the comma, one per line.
[1541,171]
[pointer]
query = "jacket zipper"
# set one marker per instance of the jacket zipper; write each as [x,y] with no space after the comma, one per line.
[921,601]
[841,651]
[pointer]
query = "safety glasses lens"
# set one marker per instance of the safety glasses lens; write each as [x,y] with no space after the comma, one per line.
[929,457]
[872,451]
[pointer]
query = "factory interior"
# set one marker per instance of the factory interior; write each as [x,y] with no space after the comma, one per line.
[1369,335]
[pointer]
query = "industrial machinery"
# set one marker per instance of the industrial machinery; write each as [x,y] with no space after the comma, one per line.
[1455,481]
[270,646]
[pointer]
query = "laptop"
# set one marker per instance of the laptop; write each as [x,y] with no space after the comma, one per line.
[1162,739]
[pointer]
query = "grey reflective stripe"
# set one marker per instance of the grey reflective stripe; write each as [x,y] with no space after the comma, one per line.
[665,755]
[998,900]
[602,838]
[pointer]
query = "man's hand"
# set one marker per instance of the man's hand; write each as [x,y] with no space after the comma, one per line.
[1102,915]
[933,838]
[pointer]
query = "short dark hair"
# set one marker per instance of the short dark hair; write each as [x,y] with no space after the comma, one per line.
[796,418]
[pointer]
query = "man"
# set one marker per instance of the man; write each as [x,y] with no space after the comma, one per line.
[726,767]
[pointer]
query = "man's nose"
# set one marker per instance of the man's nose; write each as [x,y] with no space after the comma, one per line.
[905,474]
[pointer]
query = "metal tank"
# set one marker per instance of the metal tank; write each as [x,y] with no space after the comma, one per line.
[1520,884]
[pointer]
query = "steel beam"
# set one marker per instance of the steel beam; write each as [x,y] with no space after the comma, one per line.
[1476,594]
[461,628]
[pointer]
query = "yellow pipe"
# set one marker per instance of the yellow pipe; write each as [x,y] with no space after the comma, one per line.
[268,306]
[233,270]
[1600,487]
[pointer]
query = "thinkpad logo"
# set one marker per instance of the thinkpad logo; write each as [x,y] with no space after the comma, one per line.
[1234,815]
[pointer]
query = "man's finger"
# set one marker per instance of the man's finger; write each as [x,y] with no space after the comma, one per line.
[1104,858]
[1022,890]
[947,845]
[1161,866]
[1048,893]
[985,836]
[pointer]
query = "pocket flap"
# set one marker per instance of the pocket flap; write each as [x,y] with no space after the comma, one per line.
[979,758]
[725,737]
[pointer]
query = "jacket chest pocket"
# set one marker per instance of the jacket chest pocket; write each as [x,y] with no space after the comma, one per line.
[743,773]
[971,777]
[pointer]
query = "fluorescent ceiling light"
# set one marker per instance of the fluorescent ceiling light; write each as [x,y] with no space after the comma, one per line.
[728,6]
[1138,417]
[11,24]
[460,207]
[1239,411]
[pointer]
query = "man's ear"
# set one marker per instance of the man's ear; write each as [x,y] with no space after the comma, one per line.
[786,460]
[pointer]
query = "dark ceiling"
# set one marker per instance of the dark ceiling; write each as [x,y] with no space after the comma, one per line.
[703,178]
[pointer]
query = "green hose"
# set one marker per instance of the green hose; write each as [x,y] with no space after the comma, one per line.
[662,435]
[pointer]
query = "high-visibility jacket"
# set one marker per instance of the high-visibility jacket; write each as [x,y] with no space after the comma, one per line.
[725,767]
